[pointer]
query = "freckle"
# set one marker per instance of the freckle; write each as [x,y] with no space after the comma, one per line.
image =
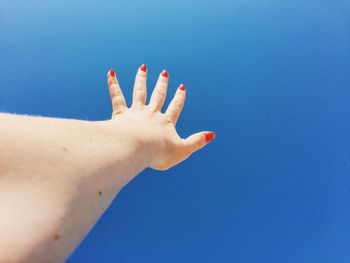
[100,192]
[64,149]
[56,236]
[90,140]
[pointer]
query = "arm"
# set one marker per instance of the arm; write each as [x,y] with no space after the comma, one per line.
[57,176]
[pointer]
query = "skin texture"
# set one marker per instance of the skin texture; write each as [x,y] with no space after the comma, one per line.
[57,176]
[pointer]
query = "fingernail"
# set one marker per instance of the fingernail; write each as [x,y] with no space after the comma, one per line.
[182,87]
[143,67]
[112,73]
[209,136]
[165,73]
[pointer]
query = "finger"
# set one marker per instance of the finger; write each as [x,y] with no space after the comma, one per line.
[159,92]
[140,89]
[197,141]
[117,97]
[176,104]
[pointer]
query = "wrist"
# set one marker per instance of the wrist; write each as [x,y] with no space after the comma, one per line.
[127,142]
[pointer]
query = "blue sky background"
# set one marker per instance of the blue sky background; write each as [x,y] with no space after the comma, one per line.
[271,78]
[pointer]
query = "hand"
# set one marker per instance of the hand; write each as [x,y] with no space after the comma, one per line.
[156,130]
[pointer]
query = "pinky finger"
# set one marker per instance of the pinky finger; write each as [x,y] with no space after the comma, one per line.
[117,97]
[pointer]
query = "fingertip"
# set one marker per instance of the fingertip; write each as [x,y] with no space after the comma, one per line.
[198,140]
[165,73]
[209,136]
[143,67]
[111,77]
[112,73]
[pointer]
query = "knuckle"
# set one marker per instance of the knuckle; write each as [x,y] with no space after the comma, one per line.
[169,118]
[117,112]
[116,102]
[141,83]
[116,92]
[163,81]
[137,105]
[160,93]
[141,76]
[181,95]
[198,144]
[178,103]
[187,151]
[140,88]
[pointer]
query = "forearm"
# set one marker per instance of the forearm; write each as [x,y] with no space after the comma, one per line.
[57,176]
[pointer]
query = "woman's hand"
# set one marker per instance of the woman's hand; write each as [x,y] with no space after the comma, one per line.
[154,129]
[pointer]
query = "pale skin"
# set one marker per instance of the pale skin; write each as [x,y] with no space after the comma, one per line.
[57,176]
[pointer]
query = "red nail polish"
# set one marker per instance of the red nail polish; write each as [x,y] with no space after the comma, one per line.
[112,73]
[143,67]
[209,136]
[182,87]
[165,73]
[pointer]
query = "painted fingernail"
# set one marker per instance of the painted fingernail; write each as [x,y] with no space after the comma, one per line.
[165,73]
[209,136]
[182,87]
[112,73]
[143,67]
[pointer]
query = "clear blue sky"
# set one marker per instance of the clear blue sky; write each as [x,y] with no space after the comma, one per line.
[271,78]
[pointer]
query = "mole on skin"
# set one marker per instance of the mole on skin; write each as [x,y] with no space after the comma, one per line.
[56,236]
[100,192]
[64,149]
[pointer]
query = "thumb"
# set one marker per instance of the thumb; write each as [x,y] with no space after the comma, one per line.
[198,140]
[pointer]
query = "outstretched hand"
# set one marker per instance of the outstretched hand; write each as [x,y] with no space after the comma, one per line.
[155,129]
